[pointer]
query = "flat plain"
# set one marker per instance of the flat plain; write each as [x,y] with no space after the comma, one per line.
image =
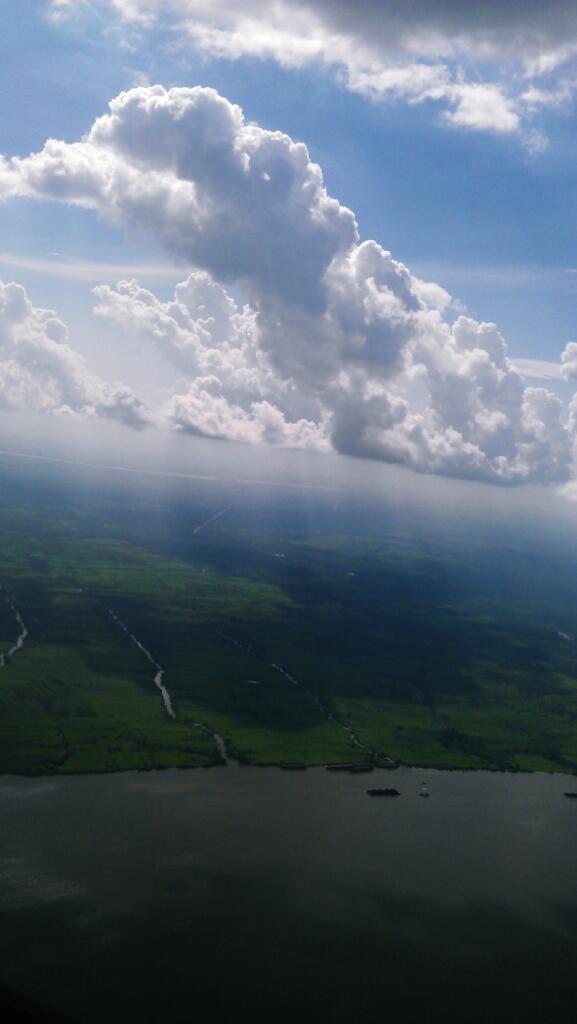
[301,627]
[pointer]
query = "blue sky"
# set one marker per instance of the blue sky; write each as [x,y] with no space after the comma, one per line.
[493,223]
[487,212]
[477,212]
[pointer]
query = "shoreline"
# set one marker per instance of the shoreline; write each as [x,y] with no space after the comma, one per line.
[243,765]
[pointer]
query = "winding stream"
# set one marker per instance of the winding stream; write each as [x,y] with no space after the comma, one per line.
[159,669]
[218,739]
[351,733]
[21,636]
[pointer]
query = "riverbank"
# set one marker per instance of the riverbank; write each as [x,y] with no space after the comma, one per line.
[230,761]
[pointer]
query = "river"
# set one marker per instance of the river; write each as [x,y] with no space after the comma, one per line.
[166,698]
[21,638]
[146,896]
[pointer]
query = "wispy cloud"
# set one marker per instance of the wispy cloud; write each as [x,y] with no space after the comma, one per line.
[499,275]
[92,271]
[539,369]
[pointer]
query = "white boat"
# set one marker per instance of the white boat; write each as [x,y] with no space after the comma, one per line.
[424,790]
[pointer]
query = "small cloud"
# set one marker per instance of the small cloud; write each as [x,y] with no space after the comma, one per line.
[139,77]
[568,366]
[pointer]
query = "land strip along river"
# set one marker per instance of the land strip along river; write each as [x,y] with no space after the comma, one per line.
[21,636]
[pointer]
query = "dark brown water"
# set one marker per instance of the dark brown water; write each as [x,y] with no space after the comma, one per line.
[150,897]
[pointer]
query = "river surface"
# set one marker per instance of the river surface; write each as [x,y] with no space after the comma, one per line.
[147,896]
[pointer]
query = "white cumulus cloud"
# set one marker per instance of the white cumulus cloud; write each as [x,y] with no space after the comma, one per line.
[336,340]
[569,360]
[39,371]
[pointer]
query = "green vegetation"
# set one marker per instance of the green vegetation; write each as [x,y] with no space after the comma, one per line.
[434,650]
[59,716]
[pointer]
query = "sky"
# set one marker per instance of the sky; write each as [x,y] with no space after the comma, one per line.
[296,225]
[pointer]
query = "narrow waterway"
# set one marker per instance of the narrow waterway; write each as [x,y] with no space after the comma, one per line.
[22,636]
[219,740]
[158,681]
[211,519]
[159,669]
[324,710]
[351,733]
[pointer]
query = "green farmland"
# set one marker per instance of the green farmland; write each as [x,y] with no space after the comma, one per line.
[282,639]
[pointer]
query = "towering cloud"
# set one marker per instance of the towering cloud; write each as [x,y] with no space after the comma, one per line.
[39,370]
[337,340]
